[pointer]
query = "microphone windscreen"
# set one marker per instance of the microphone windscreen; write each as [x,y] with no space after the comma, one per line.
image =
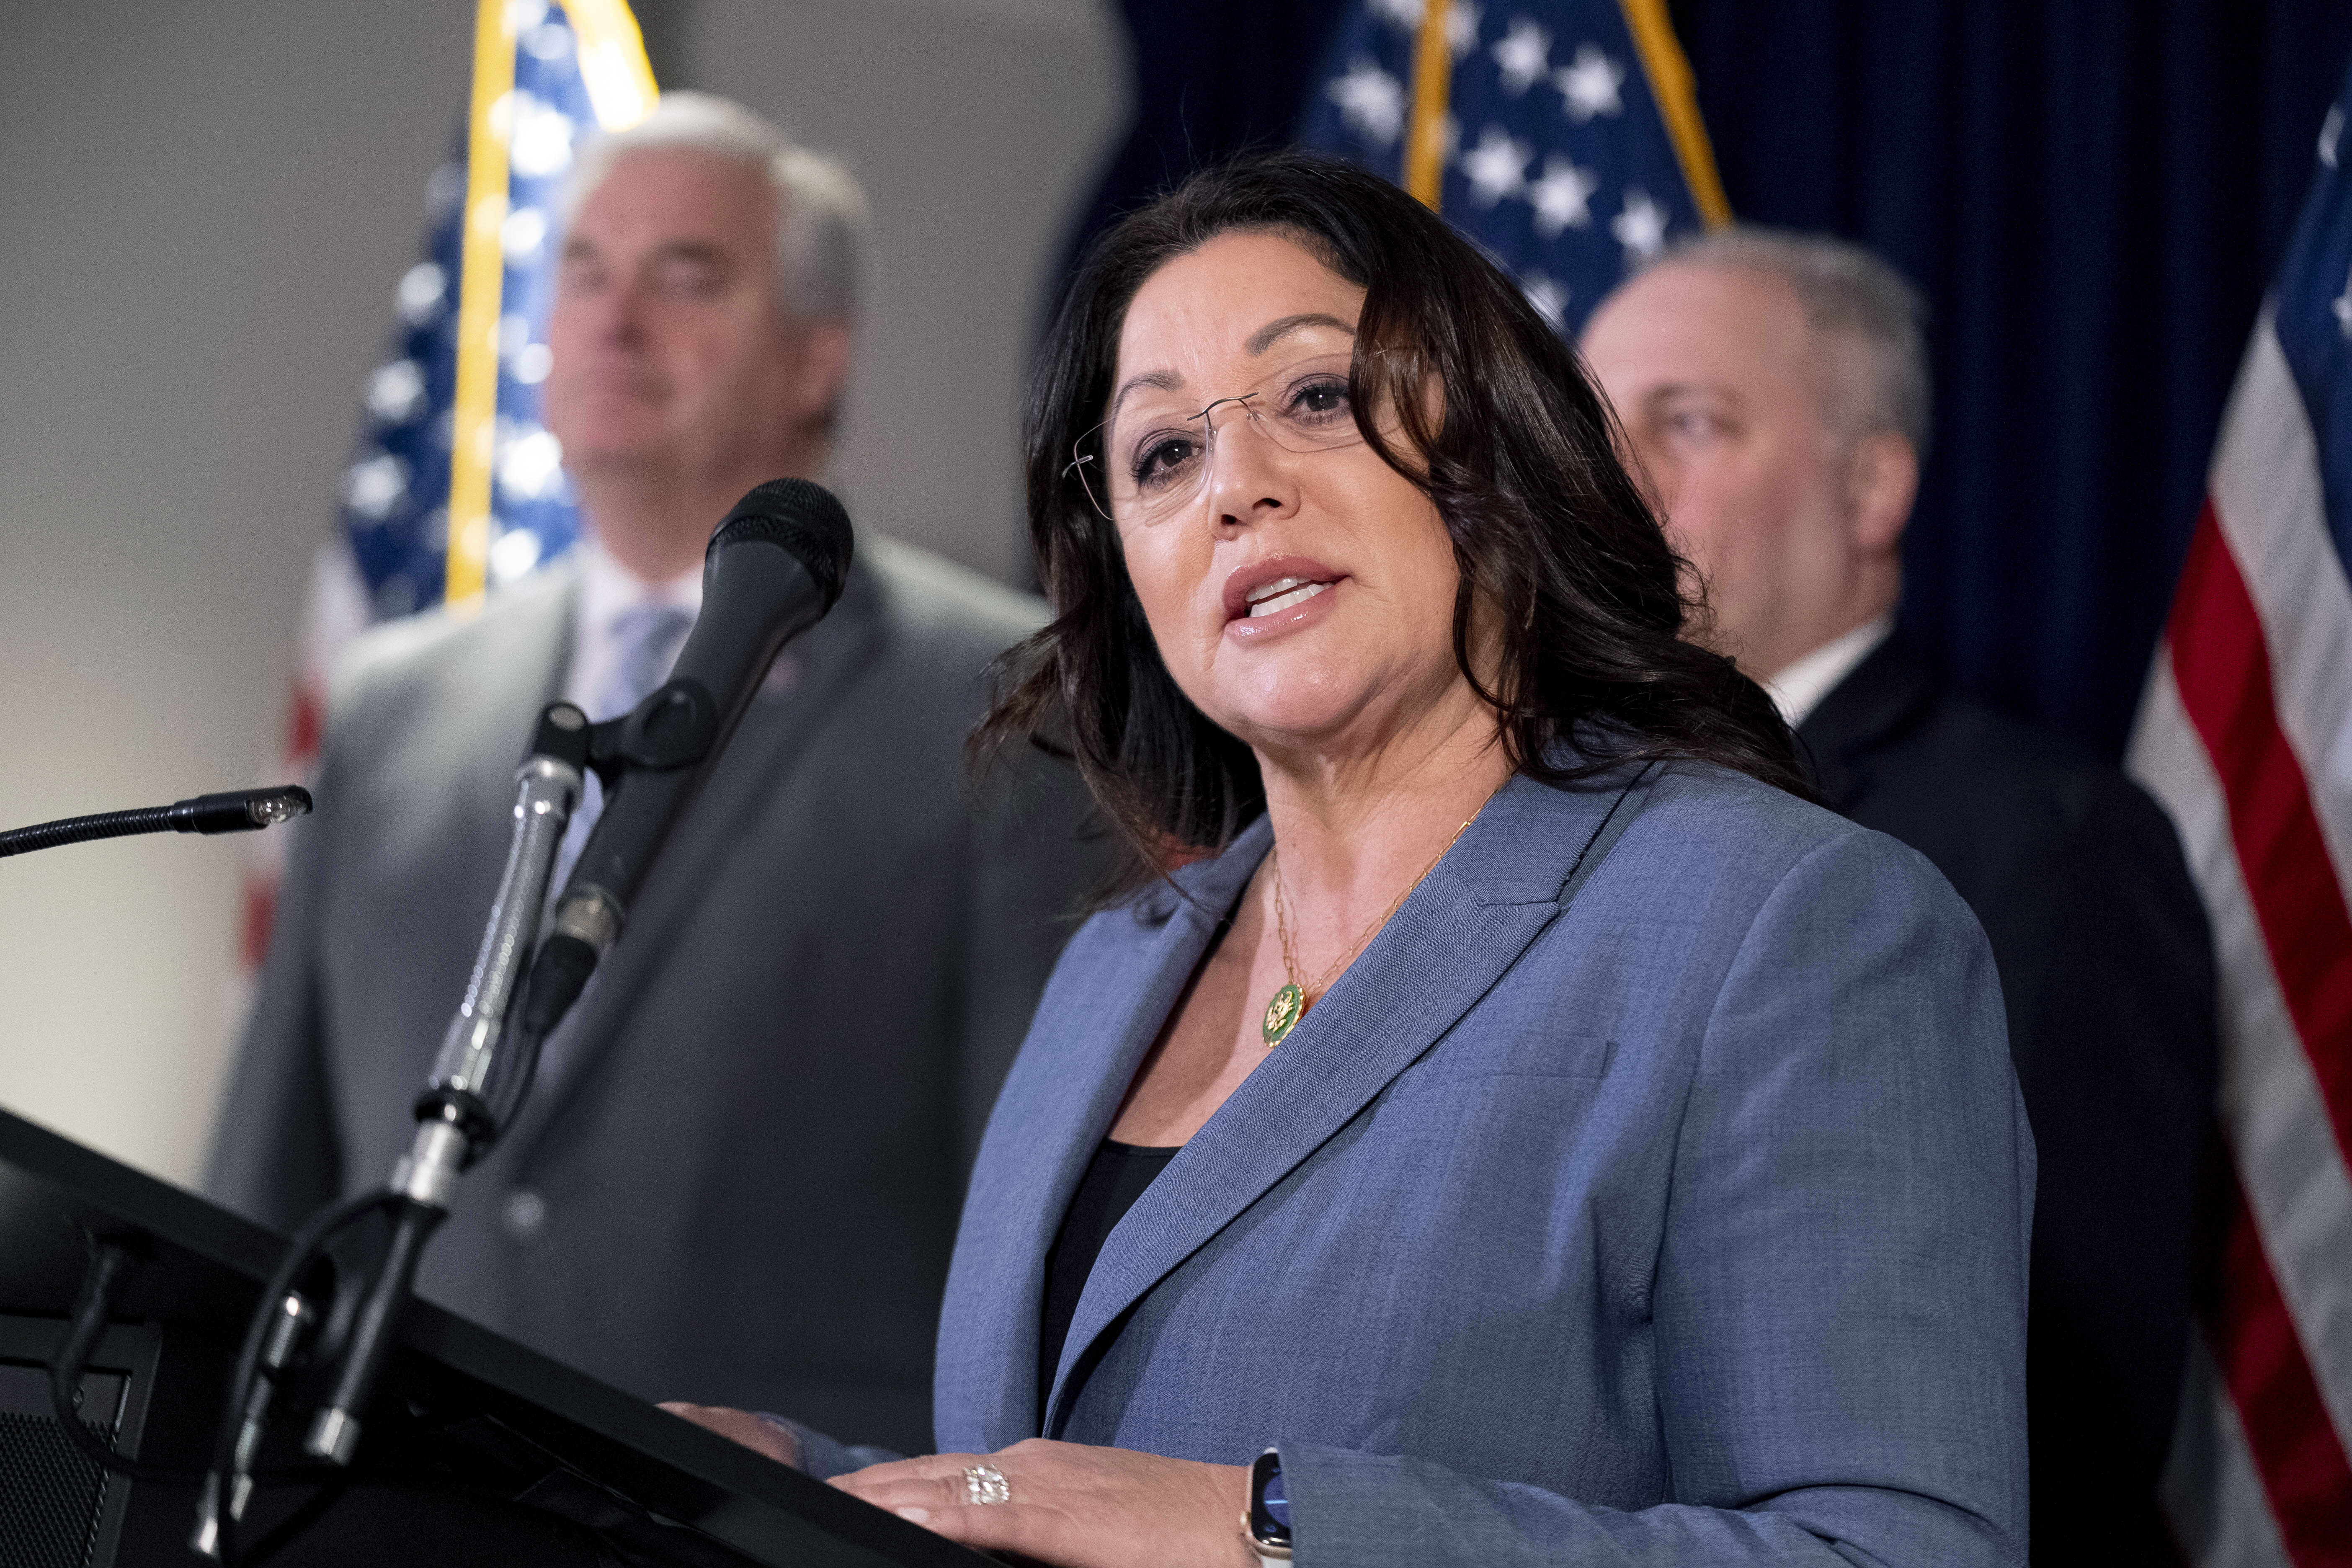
[801,517]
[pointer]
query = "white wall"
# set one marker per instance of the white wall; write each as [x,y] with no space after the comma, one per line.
[976,126]
[203,209]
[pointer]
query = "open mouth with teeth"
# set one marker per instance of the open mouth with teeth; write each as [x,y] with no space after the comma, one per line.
[1282,594]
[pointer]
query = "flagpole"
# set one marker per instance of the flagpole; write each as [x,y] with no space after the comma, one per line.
[474,418]
[613,64]
[1675,92]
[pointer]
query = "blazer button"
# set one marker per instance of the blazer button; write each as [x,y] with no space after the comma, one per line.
[525,1214]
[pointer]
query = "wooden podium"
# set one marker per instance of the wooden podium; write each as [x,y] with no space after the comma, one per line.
[476,1449]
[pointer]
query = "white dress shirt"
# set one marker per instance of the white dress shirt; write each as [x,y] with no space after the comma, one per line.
[1797,689]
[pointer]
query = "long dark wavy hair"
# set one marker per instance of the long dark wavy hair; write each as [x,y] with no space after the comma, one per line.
[1589,602]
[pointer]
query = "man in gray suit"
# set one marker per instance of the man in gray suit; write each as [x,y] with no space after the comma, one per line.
[738,1177]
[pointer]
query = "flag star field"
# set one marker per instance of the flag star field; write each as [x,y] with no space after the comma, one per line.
[1559,164]
[394,494]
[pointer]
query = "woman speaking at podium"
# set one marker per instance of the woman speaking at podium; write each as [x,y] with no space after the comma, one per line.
[1520,1129]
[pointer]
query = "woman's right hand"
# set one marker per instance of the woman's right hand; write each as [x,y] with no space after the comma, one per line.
[764,1437]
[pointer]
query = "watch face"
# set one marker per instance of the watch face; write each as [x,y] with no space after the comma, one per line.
[1269,1504]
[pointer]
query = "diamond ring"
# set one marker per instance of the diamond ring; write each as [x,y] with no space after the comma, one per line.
[985,1484]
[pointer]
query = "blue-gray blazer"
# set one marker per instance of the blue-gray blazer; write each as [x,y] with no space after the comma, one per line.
[1682,1219]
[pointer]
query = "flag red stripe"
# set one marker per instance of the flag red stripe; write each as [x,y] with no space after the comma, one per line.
[258,913]
[2223,668]
[306,724]
[2295,1447]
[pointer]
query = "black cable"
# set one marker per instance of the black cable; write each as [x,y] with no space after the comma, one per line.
[522,1044]
[361,1356]
[313,1507]
[109,1268]
[308,1244]
[236,811]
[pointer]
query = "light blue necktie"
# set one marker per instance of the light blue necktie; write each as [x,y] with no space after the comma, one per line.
[649,637]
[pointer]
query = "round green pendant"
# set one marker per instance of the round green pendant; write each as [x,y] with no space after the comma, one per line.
[1282,1014]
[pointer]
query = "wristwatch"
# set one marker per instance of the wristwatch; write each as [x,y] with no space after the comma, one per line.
[1266,1526]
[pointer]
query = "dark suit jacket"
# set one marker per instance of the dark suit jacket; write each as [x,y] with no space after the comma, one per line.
[2107,969]
[736,1181]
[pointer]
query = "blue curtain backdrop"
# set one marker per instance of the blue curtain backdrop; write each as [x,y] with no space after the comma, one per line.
[2093,196]
[1211,78]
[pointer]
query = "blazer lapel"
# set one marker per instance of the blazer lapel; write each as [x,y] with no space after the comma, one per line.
[765,748]
[1457,934]
[1054,1113]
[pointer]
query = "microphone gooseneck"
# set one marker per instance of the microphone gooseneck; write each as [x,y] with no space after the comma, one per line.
[235,811]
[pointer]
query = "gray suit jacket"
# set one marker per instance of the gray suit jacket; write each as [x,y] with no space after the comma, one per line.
[738,1179]
[1683,1220]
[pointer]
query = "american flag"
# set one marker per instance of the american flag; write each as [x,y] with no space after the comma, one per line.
[1562,136]
[2245,734]
[454,486]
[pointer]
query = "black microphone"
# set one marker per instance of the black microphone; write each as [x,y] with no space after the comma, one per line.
[774,569]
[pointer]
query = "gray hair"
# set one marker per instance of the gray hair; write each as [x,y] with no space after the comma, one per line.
[1849,293]
[821,213]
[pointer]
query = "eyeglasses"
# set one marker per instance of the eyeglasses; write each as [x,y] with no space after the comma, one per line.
[1150,459]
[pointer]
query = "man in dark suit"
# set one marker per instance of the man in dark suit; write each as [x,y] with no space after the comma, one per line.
[738,1175]
[1775,389]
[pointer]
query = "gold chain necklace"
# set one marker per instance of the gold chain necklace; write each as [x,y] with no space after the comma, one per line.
[1289,1004]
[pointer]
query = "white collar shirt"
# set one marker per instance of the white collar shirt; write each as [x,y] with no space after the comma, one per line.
[1797,689]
